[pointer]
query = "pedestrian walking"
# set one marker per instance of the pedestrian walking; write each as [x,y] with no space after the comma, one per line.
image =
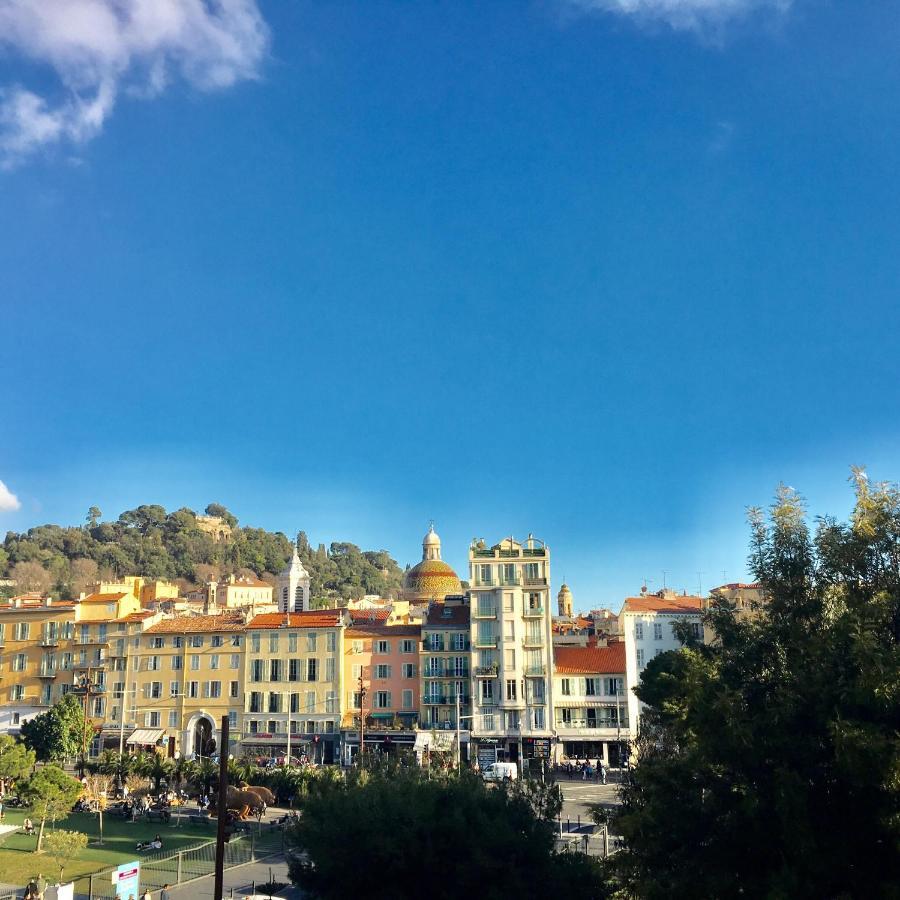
[165,894]
[146,895]
[40,887]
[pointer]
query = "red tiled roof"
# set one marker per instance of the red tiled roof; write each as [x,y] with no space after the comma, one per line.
[364,630]
[325,618]
[458,614]
[31,602]
[361,616]
[671,604]
[191,624]
[137,616]
[103,598]
[610,659]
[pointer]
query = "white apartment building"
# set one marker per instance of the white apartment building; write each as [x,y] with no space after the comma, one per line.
[647,630]
[590,704]
[511,639]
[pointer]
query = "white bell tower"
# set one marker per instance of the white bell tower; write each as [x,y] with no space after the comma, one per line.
[292,587]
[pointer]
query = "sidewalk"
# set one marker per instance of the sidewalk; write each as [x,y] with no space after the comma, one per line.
[238,882]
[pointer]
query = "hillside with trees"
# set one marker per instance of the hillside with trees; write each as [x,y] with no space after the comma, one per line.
[149,541]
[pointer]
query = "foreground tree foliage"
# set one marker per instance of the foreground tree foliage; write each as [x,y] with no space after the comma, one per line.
[51,793]
[395,833]
[770,762]
[59,733]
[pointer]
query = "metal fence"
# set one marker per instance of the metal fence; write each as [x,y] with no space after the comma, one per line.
[166,867]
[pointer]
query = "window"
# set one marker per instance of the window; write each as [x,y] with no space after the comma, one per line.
[330,642]
[511,689]
[382,671]
[487,722]
[196,640]
[407,699]
[18,691]
[331,702]
[590,687]
[173,718]
[295,702]
[487,691]
[537,690]
[234,689]
[695,629]
[310,701]
[508,573]
[657,631]
[217,640]
[254,643]
[157,642]
[235,661]
[274,670]
[214,661]
[312,670]
[507,603]
[273,642]
[614,686]
[407,646]
[409,670]
[21,630]
[193,689]
[256,669]
[235,640]
[174,689]
[640,658]
[274,702]
[658,651]
[382,647]
[153,664]
[153,690]
[98,706]
[564,716]
[459,641]
[232,718]
[177,641]
[20,661]
[176,663]
[195,662]
[311,642]
[255,704]
[292,642]
[566,687]
[294,669]
[382,700]
[509,658]
[537,716]
[151,720]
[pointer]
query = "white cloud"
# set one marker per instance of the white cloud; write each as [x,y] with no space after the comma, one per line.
[99,49]
[702,16]
[9,502]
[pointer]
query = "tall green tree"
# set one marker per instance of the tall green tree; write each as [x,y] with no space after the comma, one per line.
[64,846]
[51,793]
[16,761]
[59,733]
[769,762]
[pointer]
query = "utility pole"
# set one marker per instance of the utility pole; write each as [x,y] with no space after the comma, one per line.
[362,721]
[223,811]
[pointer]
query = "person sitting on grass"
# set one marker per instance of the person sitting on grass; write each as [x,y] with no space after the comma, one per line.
[28,826]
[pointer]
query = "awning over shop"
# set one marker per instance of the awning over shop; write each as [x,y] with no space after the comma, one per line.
[389,715]
[144,736]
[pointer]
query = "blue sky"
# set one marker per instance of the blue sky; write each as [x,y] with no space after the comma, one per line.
[604,276]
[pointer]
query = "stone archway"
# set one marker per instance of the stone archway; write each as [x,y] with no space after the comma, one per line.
[201,737]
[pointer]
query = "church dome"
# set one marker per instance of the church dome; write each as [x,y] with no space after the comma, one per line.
[431,578]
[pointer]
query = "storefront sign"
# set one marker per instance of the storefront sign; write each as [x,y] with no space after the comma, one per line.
[487,756]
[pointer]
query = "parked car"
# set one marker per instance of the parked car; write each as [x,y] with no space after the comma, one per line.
[501,771]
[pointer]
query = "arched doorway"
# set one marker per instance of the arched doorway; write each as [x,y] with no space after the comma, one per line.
[203,740]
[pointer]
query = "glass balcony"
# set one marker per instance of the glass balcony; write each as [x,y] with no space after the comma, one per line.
[491,671]
[533,671]
[533,612]
[485,641]
[484,612]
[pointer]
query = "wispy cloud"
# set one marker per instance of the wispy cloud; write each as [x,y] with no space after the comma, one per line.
[9,502]
[100,49]
[701,16]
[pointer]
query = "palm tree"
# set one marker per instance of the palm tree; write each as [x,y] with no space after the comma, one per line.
[160,768]
[207,774]
[185,771]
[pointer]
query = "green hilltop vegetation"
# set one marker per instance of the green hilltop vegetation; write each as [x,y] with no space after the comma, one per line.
[149,541]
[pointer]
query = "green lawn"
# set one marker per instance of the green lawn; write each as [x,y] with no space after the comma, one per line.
[19,862]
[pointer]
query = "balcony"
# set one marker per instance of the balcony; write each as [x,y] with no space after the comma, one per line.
[533,612]
[484,583]
[48,672]
[430,647]
[485,642]
[533,581]
[491,671]
[444,700]
[485,613]
[97,642]
[535,671]
[533,640]
[445,673]
[536,551]
[49,642]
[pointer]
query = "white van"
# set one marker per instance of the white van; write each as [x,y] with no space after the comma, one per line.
[501,771]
